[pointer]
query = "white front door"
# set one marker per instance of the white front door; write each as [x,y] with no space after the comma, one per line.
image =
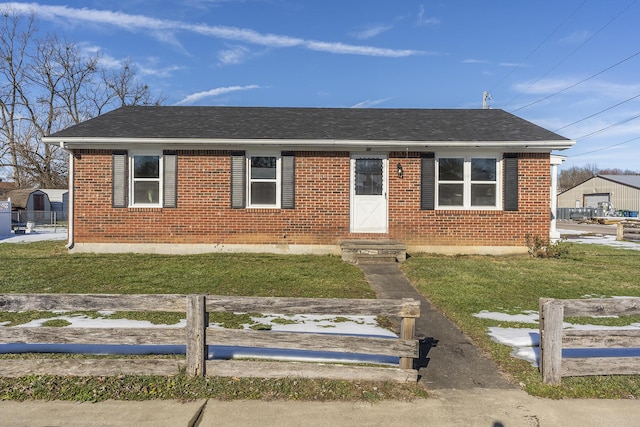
[369,193]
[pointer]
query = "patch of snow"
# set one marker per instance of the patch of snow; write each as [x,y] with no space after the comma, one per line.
[606,240]
[38,235]
[528,316]
[525,342]
[345,325]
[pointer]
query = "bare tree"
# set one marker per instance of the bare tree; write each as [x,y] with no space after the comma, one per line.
[123,87]
[52,84]
[575,175]
[16,32]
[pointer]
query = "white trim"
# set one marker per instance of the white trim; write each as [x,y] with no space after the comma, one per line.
[249,180]
[385,191]
[319,144]
[467,182]
[133,180]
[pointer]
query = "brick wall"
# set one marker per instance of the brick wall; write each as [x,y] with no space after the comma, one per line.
[321,215]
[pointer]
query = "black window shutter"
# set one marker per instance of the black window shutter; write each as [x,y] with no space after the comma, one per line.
[119,179]
[170,179]
[238,180]
[510,194]
[427,181]
[288,179]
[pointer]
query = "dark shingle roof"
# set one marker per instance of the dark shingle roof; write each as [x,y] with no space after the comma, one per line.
[310,124]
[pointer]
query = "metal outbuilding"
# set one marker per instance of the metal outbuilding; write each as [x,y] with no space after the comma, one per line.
[622,191]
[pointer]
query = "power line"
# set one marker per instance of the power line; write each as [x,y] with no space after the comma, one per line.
[607,147]
[576,84]
[621,122]
[539,46]
[564,59]
[599,112]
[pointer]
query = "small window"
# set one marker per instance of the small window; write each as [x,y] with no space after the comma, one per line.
[369,177]
[146,180]
[468,182]
[263,181]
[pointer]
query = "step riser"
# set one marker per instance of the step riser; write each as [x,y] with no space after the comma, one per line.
[369,252]
[376,260]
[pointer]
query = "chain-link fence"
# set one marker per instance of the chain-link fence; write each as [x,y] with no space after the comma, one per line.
[39,218]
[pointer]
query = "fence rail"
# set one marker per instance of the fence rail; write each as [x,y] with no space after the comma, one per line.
[628,230]
[197,336]
[553,339]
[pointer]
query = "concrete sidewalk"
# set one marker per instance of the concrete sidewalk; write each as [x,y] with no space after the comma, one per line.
[478,407]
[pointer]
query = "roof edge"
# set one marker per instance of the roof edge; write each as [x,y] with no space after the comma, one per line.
[91,142]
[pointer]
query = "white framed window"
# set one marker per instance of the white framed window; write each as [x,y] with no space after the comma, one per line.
[263,180]
[145,180]
[468,182]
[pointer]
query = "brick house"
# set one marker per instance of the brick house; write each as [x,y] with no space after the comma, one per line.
[303,180]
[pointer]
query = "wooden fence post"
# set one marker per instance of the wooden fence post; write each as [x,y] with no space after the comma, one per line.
[410,311]
[196,335]
[620,231]
[551,317]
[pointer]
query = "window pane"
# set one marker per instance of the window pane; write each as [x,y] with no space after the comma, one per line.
[369,177]
[263,193]
[483,194]
[450,194]
[263,168]
[483,169]
[146,167]
[450,169]
[146,192]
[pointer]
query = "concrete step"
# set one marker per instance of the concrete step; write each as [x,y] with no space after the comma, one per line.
[373,251]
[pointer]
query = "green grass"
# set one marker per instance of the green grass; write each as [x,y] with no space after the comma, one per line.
[458,286]
[141,387]
[464,285]
[47,267]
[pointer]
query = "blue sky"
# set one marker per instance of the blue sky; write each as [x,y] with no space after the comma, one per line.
[572,66]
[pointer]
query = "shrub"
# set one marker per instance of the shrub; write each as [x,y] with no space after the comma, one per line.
[541,248]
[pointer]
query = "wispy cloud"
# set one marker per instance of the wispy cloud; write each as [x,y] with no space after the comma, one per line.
[575,38]
[149,67]
[370,103]
[425,20]
[371,31]
[233,55]
[601,88]
[475,61]
[166,30]
[214,92]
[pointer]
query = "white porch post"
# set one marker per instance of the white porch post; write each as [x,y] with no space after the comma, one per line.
[554,234]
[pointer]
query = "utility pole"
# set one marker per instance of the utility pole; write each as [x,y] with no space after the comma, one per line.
[486,96]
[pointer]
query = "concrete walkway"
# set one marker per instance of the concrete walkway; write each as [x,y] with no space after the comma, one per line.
[486,408]
[448,357]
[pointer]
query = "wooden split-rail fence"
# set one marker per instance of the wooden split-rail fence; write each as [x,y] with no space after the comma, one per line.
[628,230]
[196,336]
[554,339]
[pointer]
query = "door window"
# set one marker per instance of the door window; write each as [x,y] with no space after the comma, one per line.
[369,177]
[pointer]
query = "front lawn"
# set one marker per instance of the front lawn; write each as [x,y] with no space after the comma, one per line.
[464,285]
[47,267]
[459,286]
